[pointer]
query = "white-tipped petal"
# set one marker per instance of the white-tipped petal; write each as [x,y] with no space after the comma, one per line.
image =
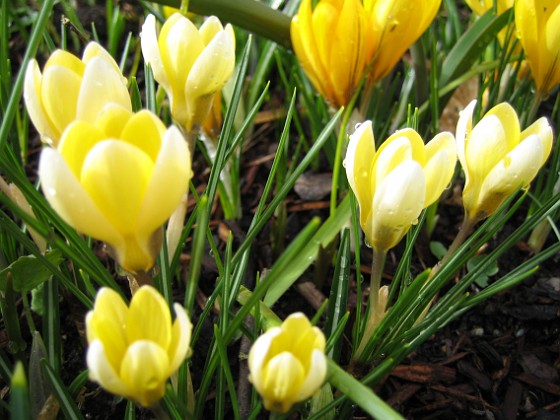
[150,51]
[315,377]
[31,95]
[101,371]
[100,82]
[169,181]
[179,347]
[68,198]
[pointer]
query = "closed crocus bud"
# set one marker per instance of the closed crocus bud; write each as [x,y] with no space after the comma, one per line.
[287,364]
[71,89]
[395,183]
[334,44]
[191,64]
[497,157]
[538,29]
[398,23]
[118,181]
[133,350]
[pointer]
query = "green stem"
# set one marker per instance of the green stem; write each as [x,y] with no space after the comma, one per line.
[377,265]
[251,15]
[535,104]
[338,159]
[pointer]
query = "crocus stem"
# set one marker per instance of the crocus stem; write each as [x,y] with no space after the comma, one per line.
[338,158]
[252,15]
[377,265]
[535,104]
[462,235]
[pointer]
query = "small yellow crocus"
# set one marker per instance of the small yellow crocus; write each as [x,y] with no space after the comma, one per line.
[397,24]
[133,350]
[71,89]
[497,157]
[334,44]
[191,64]
[287,364]
[118,181]
[538,29]
[393,184]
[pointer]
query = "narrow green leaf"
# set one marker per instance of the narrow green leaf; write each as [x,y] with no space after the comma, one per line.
[359,393]
[67,404]
[308,254]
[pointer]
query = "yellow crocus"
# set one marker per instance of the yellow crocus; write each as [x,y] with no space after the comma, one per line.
[287,364]
[398,24]
[538,29]
[133,350]
[393,184]
[334,44]
[191,64]
[71,89]
[497,157]
[118,180]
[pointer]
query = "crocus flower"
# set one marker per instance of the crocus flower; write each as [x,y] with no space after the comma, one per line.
[191,64]
[334,44]
[395,183]
[133,350]
[497,157]
[287,364]
[118,181]
[398,24]
[538,29]
[71,89]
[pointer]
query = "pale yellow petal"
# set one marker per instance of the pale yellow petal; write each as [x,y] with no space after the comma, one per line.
[69,199]
[32,96]
[101,85]
[179,347]
[398,203]
[315,375]
[149,318]
[168,183]
[283,377]
[145,131]
[78,139]
[116,174]
[150,51]
[61,108]
[144,371]
[101,371]
[359,155]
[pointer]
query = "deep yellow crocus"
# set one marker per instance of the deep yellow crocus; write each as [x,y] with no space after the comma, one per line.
[118,180]
[497,157]
[71,89]
[287,364]
[397,24]
[393,184]
[133,350]
[334,44]
[538,29]
[191,64]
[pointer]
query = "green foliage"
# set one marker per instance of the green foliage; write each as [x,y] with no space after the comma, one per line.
[235,297]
